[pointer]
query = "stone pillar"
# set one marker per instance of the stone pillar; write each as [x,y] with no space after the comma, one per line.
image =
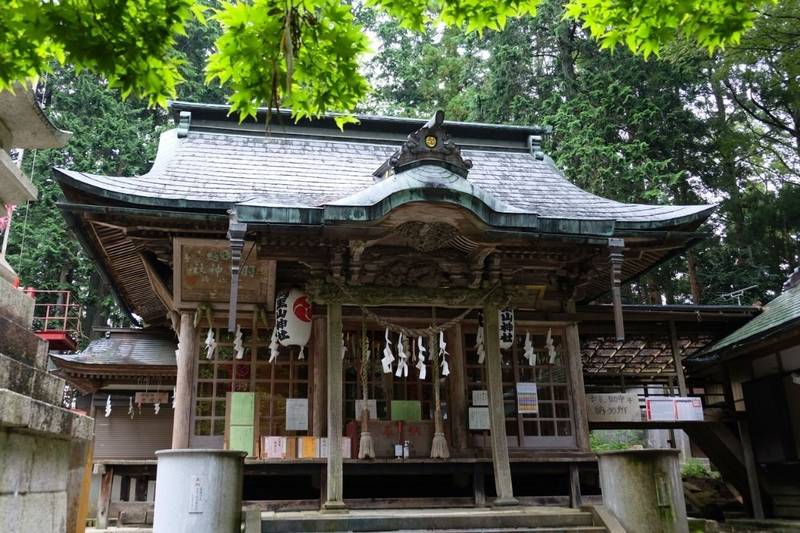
[334,487]
[497,417]
[643,489]
[182,418]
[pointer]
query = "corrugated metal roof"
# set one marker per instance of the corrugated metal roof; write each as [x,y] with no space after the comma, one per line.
[779,312]
[149,346]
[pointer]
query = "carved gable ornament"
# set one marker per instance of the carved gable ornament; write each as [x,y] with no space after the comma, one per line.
[429,145]
[427,236]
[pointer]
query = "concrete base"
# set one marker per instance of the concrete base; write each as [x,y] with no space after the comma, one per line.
[198,491]
[643,489]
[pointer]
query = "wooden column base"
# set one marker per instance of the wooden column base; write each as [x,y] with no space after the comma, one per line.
[334,507]
[505,502]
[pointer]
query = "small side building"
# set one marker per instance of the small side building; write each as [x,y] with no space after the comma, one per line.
[756,370]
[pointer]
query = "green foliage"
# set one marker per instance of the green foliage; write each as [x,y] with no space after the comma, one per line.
[128,42]
[645,26]
[695,468]
[608,441]
[304,57]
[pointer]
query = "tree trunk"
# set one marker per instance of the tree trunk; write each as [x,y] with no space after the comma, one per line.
[693,282]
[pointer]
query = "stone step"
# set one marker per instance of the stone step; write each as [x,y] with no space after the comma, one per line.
[22,344]
[24,414]
[467,520]
[24,379]
[14,304]
[576,529]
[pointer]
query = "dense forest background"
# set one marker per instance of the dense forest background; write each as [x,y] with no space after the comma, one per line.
[687,127]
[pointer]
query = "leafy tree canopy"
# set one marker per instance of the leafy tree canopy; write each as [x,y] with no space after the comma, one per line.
[304,54]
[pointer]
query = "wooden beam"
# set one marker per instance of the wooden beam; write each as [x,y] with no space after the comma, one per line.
[458,407]
[753,486]
[335,474]
[497,416]
[182,417]
[318,410]
[159,288]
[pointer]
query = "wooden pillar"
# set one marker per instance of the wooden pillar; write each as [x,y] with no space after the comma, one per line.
[319,414]
[751,468]
[497,416]
[334,488]
[575,372]
[458,408]
[574,486]
[182,416]
[104,497]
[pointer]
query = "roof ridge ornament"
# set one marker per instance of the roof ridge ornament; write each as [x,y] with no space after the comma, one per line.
[429,145]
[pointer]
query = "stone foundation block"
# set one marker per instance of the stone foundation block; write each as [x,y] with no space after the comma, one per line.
[11,513]
[50,465]
[16,451]
[24,379]
[25,414]
[15,304]
[38,511]
[15,409]
[22,344]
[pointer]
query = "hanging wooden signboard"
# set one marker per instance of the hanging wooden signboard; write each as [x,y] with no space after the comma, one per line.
[616,407]
[151,397]
[202,273]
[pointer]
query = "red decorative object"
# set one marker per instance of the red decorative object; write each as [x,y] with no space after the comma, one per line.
[302,309]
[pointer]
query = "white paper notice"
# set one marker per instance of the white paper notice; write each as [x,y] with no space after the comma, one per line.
[297,414]
[372,406]
[479,418]
[689,409]
[660,409]
[480,398]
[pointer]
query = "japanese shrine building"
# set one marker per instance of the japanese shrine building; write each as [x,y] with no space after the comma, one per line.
[393,226]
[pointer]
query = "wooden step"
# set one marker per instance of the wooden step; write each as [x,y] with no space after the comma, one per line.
[511,520]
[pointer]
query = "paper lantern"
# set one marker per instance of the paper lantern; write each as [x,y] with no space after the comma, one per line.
[293,318]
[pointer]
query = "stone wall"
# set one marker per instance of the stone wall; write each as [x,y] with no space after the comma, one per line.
[41,443]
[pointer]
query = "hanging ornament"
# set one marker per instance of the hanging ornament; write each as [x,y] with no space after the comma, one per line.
[174,392]
[344,347]
[273,346]
[402,363]
[130,406]
[108,406]
[293,319]
[210,344]
[156,408]
[529,354]
[74,403]
[443,354]
[423,370]
[238,346]
[388,356]
[506,328]
[551,350]
[479,345]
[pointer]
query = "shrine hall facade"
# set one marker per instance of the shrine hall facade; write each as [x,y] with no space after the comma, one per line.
[397,299]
